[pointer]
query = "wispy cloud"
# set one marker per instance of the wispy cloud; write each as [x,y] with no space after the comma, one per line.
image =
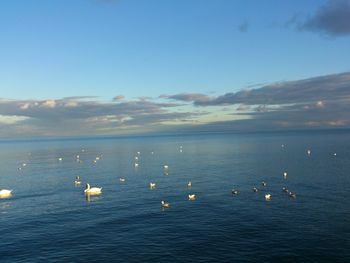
[243,28]
[331,19]
[187,97]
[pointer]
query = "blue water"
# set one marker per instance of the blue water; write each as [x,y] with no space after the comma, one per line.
[48,218]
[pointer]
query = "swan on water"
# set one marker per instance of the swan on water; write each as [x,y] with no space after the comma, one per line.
[191,197]
[4,193]
[267,197]
[92,190]
[152,185]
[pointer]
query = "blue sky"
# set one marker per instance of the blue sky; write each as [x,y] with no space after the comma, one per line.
[51,50]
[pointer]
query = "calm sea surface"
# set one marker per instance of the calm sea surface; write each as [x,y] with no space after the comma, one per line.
[48,218]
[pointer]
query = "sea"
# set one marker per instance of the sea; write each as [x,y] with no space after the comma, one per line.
[48,218]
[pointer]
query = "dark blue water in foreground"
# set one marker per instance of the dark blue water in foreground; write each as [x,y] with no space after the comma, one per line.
[48,218]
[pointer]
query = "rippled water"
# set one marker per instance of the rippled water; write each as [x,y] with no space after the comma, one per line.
[48,218]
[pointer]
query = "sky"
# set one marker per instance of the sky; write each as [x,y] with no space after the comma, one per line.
[121,67]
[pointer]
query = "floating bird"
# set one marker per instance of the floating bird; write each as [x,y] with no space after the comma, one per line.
[165,204]
[292,195]
[235,192]
[255,189]
[77,156]
[122,179]
[191,197]
[136,158]
[97,158]
[166,167]
[152,185]
[60,159]
[92,190]
[136,165]
[285,175]
[24,164]
[138,153]
[267,197]
[335,154]
[309,152]
[4,193]
[285,189]
[189,184]
[77,180]
[152,152]
[263,183]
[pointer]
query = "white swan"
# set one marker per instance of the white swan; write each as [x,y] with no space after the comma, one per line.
[4,193]
[60,159]
[267,197]
[285,175]
[152,185]
[191,197]
[122,179]
[165,204]
[92,190]
[166,167]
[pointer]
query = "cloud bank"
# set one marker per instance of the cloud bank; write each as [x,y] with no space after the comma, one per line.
[320,102]
[315,103]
